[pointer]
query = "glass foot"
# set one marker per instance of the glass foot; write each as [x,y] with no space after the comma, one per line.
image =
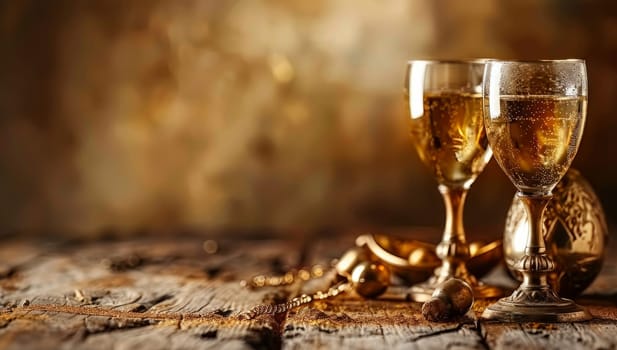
[422,292]
[539,304]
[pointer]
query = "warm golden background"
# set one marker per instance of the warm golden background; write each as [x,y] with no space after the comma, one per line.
[137,115]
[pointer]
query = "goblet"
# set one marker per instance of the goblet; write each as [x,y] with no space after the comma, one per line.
[447,130]
[534,114]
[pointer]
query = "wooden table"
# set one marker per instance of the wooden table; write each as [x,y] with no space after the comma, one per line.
[169,293]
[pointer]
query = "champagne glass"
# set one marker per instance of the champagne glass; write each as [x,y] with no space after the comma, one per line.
[534,114]
[447,130]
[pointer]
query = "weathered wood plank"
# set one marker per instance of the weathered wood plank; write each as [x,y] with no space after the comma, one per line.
[160,294]
[589,335]
[354,323]
[150,294]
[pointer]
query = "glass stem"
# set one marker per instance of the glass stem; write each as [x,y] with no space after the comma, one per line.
[535,265]
[453,249]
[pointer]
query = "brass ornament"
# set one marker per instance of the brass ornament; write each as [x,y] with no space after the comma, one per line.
[575,232]
[350,259]
[355,270]
[415,261]
[370,279]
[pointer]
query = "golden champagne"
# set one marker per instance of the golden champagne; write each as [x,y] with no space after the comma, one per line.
[450,138]
[535,137]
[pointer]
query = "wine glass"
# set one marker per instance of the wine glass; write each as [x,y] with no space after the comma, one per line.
[447,130]
[534,114]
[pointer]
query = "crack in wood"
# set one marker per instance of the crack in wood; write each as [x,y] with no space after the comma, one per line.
[212,334]
[5,321]
[264,339]
[7,271]
[98,324]
[223,313]
[145,306]
[438,332]
[481,334]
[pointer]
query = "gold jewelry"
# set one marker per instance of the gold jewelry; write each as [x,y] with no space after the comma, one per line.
[367,268]
[354,271]
[303,274]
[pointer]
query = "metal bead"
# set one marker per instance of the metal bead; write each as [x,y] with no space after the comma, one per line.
[352,258]
[370,279]
[575,232]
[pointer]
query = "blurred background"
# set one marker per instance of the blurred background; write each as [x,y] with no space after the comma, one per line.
[282,115]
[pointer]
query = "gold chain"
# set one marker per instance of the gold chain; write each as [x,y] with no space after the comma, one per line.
[303,274]
[264,309]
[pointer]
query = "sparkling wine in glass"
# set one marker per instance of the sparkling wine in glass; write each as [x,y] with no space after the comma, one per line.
[447,130]
[534,113]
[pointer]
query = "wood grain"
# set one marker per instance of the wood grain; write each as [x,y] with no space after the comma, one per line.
[171,294]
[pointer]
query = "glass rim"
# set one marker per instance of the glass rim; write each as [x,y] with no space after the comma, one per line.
[559,60]
[450,61]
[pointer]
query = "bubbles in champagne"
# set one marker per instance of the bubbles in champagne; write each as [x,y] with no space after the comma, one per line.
[535,138]
[450,137]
